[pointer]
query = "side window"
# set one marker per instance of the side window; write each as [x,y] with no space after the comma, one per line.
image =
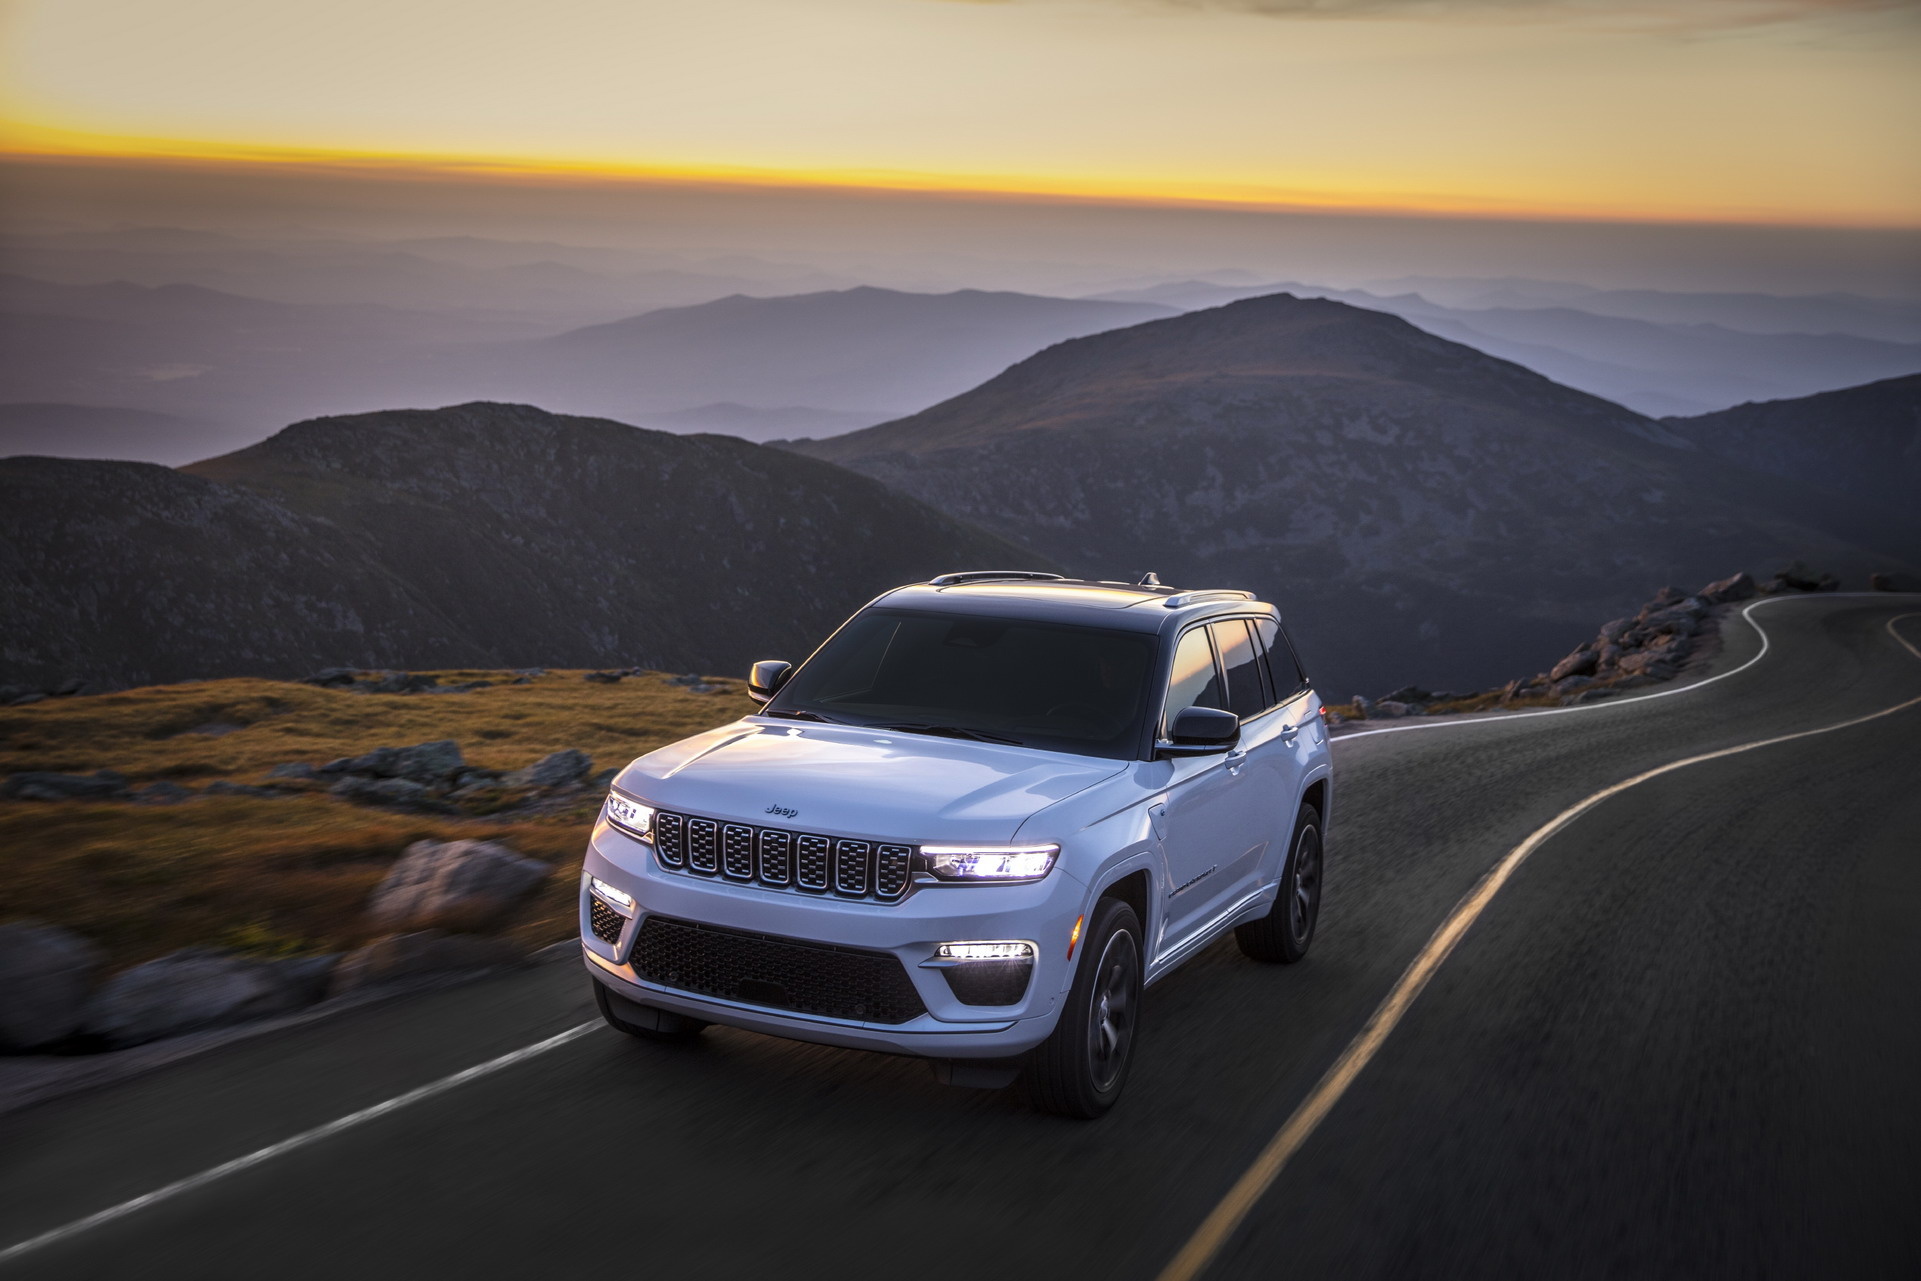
[1282,665]
[1246,694]
[1194,682]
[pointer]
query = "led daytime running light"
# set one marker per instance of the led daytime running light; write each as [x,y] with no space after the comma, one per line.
[628,814]
[1015,951]
[989,862]
[611,894]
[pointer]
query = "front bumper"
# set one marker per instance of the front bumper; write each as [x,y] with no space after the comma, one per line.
[1042,912]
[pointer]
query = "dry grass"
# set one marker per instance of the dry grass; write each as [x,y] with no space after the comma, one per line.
[292,875]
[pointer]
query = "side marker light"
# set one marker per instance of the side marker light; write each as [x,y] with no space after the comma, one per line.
[1074,939]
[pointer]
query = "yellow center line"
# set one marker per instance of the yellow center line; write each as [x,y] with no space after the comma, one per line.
[1226,1218]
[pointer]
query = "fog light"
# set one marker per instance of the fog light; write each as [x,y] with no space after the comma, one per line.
[985,951]
[611,894]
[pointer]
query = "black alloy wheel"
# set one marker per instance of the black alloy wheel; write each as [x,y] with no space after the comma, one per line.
[1080,1069]
[1283,935]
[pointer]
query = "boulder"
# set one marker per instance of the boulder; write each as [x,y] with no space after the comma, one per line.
[428,762]
[45,972]
[1580,663]
[400,956]
[397,793]
[1572,685]
[331,677]
[1734,587]
[1607,657]
[184,992]
[603,678]
[1390,708]
[401,683]
[32,696]
[161,792]
[602,781]
[471,883]
[38,785]
[293,769]
[382,762]
[1364,706]
[1615,630]
[553,770]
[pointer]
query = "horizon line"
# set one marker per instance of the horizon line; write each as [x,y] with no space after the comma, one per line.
[1219,197]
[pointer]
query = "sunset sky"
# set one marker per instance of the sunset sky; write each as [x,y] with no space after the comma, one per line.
[1782,111]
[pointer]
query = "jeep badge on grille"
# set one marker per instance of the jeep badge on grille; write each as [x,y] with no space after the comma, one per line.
[781,810]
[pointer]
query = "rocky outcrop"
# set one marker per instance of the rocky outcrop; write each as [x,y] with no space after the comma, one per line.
[469,883]
[45,974]
[197,988]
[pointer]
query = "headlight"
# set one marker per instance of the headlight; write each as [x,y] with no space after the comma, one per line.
[989,862]
[629,815]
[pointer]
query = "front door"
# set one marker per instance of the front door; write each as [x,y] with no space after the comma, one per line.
[1205,823]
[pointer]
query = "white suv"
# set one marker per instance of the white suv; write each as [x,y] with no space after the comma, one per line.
[986,813]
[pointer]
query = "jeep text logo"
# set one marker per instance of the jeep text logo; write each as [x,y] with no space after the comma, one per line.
[781,810]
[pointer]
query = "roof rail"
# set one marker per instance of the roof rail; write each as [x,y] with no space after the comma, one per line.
[1182,600]
[984,575]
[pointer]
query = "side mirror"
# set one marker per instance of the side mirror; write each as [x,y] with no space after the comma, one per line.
[1200,731]
[766,677]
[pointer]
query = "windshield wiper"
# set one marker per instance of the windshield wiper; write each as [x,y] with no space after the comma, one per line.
[950,731]
[802,714]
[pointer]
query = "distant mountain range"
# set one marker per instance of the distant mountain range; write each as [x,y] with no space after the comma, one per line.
[1653,367]
[1424,511]
[851,351]
[482,535]
[1860,445]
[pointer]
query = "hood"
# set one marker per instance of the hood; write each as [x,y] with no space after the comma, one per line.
[844,781]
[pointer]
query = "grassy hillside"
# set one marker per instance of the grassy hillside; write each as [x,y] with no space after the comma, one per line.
[291,874]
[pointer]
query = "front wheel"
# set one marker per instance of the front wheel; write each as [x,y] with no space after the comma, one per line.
[1079,1070]
[1284,933]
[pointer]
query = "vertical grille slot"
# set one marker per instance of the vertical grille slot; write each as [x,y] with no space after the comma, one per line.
[891,865]
[737,851]
[670,839]
[781,859]
[850,867]
[776,857]
[702,837]
[811,862]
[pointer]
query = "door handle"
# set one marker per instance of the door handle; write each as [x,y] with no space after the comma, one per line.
[1236,759]
[1288,732]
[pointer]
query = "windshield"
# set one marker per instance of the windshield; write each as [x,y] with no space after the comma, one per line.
[1067,689]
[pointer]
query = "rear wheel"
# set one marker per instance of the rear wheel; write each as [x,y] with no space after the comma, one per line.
[1080,1069]
[644,1021]
[1285,932]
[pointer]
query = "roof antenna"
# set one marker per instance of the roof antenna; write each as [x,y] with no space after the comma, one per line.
[1149,579]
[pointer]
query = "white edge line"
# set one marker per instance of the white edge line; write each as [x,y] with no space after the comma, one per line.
[1221,1223]
[301,1140]
[1502,718]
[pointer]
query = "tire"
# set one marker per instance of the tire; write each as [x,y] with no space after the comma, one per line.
[1283,935]
[1080,1069]
[659,1025]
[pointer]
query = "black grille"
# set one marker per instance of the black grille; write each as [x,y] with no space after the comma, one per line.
[784,860]
[990,982]
[606,921]
[757,969]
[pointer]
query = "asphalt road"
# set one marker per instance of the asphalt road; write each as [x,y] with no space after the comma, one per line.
[1683,1040]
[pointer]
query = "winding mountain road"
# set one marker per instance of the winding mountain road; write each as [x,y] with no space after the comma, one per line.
[1672,1033]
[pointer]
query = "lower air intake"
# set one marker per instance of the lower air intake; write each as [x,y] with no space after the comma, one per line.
[758,969]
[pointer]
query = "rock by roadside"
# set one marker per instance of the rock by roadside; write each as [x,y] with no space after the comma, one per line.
[472,883]
[45,975]
[198,988]
[1645,648]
